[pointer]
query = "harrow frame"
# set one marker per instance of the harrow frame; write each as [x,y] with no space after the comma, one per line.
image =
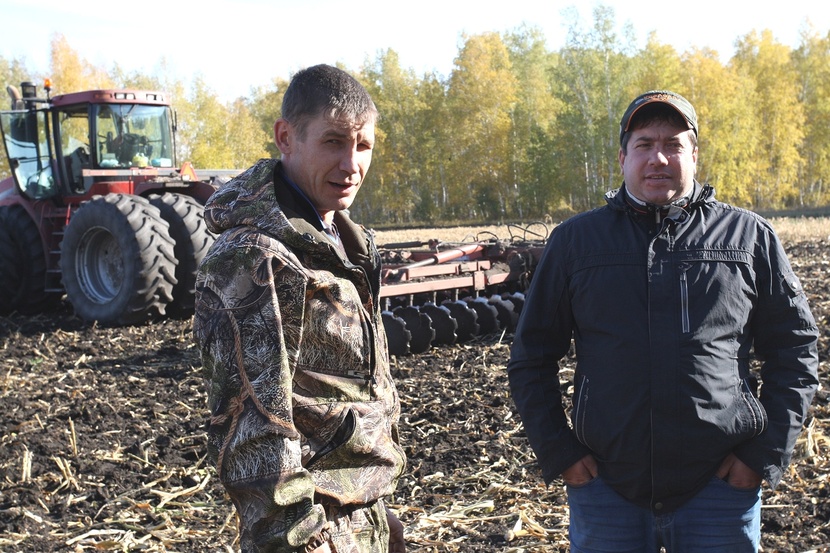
[440,293]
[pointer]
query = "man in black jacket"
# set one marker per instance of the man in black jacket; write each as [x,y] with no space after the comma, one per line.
[666,293]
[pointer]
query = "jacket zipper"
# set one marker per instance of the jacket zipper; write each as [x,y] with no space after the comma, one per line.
[684,301]
[579,423]
[370,379]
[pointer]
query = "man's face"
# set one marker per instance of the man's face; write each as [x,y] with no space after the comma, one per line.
[659,166]
[330,162]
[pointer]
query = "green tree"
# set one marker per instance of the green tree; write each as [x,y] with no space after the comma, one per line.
[812,63]
[394,186]
[481,97]
[657,67]
[198,111]
[728,125]
[780,127]
[162,79]
[533,119]
[13,72]
[72,73]
[246,141]
[213,135]
[433,139]
[266,107]
[517,131]
[595,81]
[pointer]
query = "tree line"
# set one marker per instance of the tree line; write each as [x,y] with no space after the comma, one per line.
[518,132]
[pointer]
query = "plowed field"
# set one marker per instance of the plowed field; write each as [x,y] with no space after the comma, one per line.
[102,445]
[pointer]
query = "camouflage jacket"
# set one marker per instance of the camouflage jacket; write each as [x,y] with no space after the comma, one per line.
[303,409]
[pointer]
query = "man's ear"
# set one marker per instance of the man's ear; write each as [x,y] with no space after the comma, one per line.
[283,135]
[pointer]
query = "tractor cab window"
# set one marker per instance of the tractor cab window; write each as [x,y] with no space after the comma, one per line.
[25,134]
[132,135]
[74,143]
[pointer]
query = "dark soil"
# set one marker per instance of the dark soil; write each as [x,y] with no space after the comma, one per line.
[102,445]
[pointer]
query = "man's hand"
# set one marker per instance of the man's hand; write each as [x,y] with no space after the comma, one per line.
[737,474]
[397,544]
[581,472]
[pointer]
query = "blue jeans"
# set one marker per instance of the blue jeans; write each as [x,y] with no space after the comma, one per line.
[719,518]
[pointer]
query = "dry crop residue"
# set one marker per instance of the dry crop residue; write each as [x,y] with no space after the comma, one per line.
[102,445]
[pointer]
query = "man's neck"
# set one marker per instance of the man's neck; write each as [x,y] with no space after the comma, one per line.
[326,219]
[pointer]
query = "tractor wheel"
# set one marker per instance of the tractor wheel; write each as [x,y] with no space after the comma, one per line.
[9,271]
[117,260]
[186,218]
[22,264]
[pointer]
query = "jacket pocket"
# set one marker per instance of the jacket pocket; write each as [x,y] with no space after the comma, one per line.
[340,437]
[360,463]
[752,414]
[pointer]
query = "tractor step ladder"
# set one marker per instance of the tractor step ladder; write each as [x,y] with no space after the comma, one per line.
[59,219]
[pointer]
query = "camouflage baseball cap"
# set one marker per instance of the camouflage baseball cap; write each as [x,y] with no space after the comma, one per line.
[672,99]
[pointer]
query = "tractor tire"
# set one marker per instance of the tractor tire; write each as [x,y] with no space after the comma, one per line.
[186,218]
[10,267]
[22,264]
[117,260]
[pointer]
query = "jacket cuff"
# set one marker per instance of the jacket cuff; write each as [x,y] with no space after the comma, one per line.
[769,471]
[566,454]
[317,540]
[310,529]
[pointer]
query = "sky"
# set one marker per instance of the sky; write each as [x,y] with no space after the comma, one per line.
[235,45]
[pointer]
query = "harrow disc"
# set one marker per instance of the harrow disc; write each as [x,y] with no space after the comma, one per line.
[443,322]
[506,313]
[518,300]
[488,315]
[420,327]
[465,317]
[397,335]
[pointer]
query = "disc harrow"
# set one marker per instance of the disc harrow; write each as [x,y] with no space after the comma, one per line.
[441,293]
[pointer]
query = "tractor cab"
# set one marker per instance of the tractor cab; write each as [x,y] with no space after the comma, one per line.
[62,146]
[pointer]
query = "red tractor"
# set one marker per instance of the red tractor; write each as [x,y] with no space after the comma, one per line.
[97,208]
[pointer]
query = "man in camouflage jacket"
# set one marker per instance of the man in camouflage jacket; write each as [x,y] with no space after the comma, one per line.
[304,412]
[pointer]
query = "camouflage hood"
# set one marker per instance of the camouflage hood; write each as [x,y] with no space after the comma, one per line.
[249,199]
[261,198]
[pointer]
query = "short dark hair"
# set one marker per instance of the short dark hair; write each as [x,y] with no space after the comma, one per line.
[328,90]
[655,113]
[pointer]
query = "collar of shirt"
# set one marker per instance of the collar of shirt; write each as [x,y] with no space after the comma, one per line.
[329,230]
[675,210]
